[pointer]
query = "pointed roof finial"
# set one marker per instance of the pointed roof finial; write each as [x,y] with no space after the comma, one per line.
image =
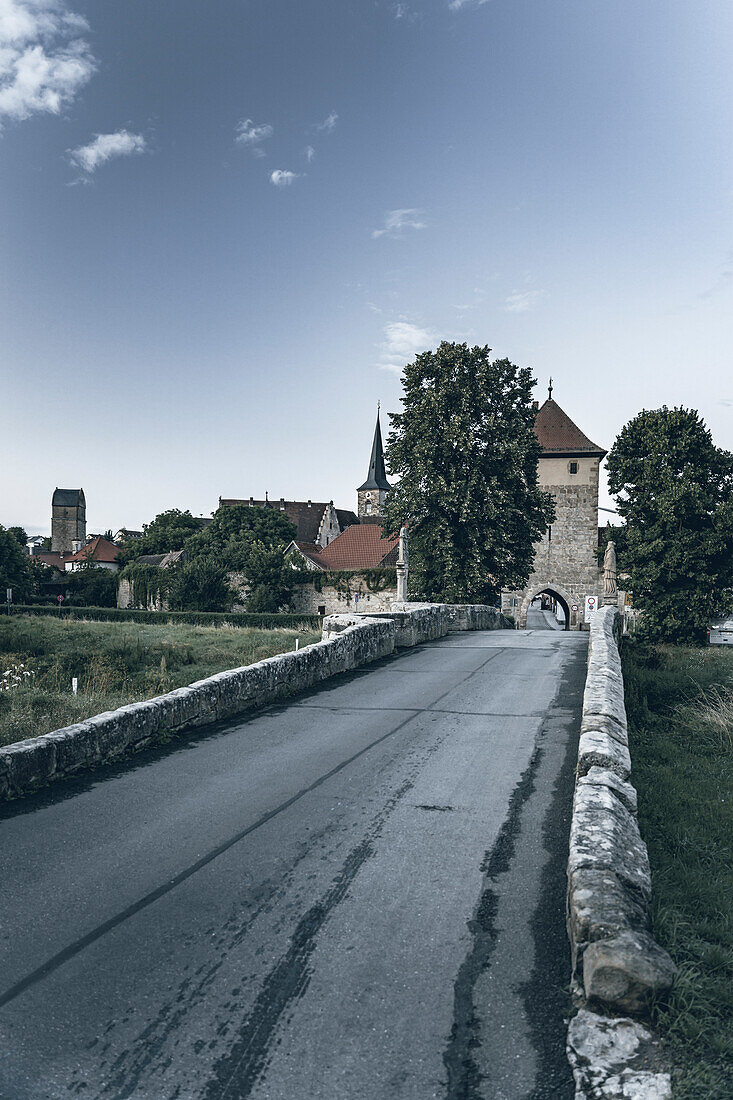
[376,478]
[549,390]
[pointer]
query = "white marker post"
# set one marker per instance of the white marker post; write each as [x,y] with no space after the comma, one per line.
[74,684]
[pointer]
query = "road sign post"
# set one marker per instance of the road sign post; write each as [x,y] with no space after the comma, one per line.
[591,606]
[9,597]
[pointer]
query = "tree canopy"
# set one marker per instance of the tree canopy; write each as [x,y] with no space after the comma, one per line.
[674,489]
[15,570]
[466,456]
[168,531]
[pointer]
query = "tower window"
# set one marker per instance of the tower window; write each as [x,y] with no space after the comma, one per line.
[369,508]
[573,467]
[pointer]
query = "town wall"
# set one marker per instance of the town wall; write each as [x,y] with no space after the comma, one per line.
[309,599]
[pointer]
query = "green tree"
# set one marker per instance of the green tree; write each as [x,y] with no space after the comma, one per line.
[21,535]
[250,541]
[674,489]
[199,585]
[92,586]
[168,531]
[14,568]
[466,456]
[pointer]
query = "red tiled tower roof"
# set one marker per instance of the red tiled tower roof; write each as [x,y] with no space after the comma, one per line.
[560,437]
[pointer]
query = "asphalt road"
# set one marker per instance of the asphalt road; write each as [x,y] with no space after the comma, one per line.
[358,895]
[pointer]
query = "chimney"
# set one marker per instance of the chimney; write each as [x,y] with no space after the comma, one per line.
[309,504]
[535,405]
[251,502]
[282,504]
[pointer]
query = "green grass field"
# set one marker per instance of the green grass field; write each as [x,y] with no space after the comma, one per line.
[680,709]
[115,663]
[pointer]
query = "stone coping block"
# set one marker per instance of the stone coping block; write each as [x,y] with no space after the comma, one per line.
[615,1059]
[630,968]
[597,749]
[604,836]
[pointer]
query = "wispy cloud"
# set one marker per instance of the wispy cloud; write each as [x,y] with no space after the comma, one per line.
[106,146]
[281,177]
[309,153]
[520,301]
[456,5]
[44,58]
[396,221]
[252,135]
[402,342]
[404,11]
[328,125]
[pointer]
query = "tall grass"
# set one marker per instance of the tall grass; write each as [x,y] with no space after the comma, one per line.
[114,663]
[680,709]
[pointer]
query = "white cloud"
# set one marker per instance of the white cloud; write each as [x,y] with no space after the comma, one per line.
[250,134]
[456,5]
[282,178]
[44,60]
[402,342]
[328,125]
[309,153]
[519,301]
[395,221]
[106,146]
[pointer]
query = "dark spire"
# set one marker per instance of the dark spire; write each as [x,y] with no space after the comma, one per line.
[549,391]
[376,478]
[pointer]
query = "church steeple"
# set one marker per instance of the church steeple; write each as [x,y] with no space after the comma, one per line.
[372,493]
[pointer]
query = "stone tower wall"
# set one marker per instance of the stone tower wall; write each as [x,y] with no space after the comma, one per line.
[376,497]
[565,559]
[68,525]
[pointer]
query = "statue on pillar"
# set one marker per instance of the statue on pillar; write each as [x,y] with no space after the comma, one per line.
[402,567]
[610,593]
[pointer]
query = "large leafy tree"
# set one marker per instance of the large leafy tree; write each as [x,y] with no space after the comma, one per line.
[15,570]
[168,531]
[200,585]
[250,541]
[466,456]
[675,492]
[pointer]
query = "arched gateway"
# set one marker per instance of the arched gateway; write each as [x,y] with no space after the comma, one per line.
[565,563]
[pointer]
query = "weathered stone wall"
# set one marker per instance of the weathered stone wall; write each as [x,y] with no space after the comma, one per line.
[617,965]
[423,622]
[106,737]
[308,599]
[564,558]
[68,525]
[350,642]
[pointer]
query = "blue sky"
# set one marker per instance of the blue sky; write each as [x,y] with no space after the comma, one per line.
[227,224]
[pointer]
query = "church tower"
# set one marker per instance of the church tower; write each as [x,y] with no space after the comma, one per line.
[372,494]
[68,520]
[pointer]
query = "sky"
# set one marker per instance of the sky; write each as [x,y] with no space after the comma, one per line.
[227,224]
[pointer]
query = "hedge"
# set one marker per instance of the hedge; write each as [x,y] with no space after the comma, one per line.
[264,620]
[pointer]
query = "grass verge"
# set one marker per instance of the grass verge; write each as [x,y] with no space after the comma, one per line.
[114,663]
[680,709]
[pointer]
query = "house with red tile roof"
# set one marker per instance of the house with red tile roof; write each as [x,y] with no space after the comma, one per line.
[98,551]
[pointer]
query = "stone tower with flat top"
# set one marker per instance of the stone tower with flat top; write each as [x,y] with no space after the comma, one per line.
[68,520]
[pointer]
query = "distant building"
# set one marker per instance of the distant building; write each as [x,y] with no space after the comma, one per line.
[35,544]
[68,520]
[99,551]
[125,535]
[315,521]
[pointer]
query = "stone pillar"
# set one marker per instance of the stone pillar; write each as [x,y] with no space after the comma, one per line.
[402,568]
[610,593]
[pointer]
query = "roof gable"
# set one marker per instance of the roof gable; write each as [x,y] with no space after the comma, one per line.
[559,436]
